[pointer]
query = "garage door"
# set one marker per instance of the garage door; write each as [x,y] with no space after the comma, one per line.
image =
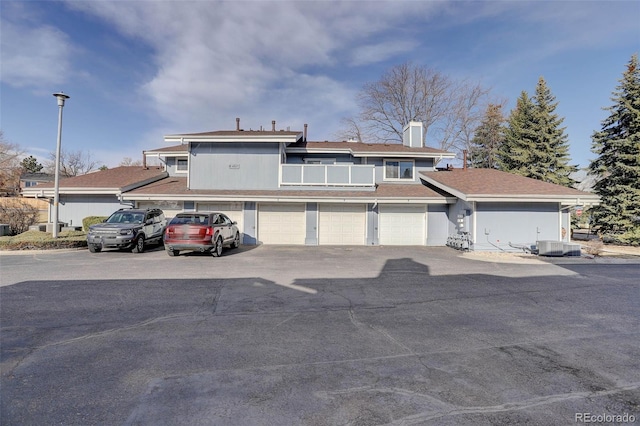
[233,210]
[342,224]
[281,224]
[401,225]
[170,208]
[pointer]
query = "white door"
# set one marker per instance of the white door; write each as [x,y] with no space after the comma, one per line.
[402,225]
[233,210]
[282,223]
[342,224]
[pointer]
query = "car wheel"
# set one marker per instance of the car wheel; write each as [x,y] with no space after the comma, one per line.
[236,241]
[173,252]
[95,248]
[139,245]
[217,249]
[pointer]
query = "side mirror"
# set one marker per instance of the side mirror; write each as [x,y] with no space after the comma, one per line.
[148,221]
[234,223]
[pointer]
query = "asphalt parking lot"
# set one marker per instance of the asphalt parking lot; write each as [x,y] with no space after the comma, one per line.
[316,336]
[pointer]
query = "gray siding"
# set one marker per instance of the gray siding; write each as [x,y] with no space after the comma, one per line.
[498,224]
[437,224]
[311,221]
[172,167]
[74,208]
[234,166]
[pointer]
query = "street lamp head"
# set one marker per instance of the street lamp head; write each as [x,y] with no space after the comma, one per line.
[61,98]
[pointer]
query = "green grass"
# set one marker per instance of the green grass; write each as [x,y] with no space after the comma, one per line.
[37,240]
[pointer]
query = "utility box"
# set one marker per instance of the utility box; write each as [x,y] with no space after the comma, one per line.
[550,248]
[4,229]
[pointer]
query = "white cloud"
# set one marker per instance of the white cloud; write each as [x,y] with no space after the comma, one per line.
[34,57]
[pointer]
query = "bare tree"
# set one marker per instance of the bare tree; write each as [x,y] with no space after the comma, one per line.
[72,163]
[128,161]
[10,156]
[449,109]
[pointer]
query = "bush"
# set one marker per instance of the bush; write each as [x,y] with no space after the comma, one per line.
[92,220]
[629,238]
[18,214]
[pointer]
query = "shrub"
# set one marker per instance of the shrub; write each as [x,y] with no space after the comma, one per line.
[92,220]
[18,214]
[37,240]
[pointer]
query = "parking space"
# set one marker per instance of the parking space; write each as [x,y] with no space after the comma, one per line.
[315,335]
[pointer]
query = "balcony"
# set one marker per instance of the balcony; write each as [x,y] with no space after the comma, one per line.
[362,175]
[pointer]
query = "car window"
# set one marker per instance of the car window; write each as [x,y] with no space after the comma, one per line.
[197,219]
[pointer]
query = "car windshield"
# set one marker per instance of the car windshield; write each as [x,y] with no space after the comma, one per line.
[126,217]
[196,219]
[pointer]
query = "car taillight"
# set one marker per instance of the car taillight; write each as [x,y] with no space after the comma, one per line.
[209,231]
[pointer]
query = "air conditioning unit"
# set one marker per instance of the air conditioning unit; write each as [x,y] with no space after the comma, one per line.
[550,248]
[571,249]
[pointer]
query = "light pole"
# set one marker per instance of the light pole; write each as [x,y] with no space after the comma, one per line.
[56,186]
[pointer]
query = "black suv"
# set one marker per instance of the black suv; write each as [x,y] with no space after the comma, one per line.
[128,229]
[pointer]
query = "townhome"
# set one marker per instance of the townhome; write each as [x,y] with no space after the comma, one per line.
[281,188]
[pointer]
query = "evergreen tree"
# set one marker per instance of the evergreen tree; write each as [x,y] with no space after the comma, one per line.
[617,166]
[551,163]
[516,154]
[30,165]
[487,139]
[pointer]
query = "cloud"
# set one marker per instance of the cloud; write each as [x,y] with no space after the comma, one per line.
[34,57]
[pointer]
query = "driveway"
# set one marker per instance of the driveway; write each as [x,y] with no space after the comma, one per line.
[316,336]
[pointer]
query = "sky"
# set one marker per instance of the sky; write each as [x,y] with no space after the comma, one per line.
[138,70]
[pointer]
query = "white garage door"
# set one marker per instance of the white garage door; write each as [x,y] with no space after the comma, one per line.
[233,210]
[401,225]
[170,208]
[281,223]
[342,224]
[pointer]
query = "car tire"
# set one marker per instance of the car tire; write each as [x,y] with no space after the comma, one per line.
[173,252]
[236,241]
[138,247]
[216,251]
[95,248]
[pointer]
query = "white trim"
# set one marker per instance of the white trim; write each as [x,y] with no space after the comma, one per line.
[252,138]
[307,199]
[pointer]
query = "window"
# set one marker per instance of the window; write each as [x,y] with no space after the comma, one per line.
[182,165]
[398,170]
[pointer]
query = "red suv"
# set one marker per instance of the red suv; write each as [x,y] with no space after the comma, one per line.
[200,231]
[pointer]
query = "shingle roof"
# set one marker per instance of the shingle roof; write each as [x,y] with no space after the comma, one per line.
[176,186]
[117,177]
[238,133]
[182,149]
[484,183]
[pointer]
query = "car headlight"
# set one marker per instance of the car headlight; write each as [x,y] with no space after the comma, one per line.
[126,231]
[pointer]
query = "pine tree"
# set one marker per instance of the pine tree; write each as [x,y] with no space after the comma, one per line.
[617,166]
[551,163]
[487,139]
[516,154]
[30,165]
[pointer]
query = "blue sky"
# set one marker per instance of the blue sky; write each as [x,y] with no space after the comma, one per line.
[137,70]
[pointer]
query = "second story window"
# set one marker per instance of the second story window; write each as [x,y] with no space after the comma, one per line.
[182,165]
[398,170]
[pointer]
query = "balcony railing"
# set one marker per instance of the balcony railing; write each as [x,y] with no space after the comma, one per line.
[327,175]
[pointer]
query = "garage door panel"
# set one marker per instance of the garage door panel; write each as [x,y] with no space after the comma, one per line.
[342,224]
[402,224]
[282,224]
[233,210]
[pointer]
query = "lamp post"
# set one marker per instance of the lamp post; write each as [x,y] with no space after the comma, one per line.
[56,186]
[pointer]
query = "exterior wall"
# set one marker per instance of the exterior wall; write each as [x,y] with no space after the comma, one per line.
[437,224]
[311,224]
[498,224]
[234,165]
[420,165]
[172,167]
[250,236]
[372,225]
[339,158]
[73,208]
[460,217]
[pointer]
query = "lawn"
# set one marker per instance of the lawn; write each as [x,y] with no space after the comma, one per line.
[38,240]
